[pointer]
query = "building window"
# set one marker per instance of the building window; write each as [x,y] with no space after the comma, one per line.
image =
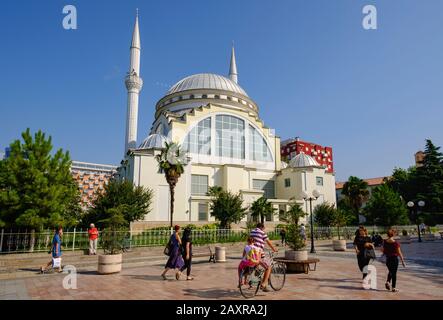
[199,184]
[287,182]
[191,96]
[319,181]
[203,212]
[258,148]
[216,96]
[267,186]
[198,140]
[204,96]
[230,141]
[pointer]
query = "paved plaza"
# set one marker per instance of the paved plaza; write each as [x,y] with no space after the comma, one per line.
[337,277]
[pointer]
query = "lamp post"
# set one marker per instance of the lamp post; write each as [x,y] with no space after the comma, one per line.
[414,209]
[306,197]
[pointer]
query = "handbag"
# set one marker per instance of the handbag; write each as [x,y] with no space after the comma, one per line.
[56,262]
[167,250]
[370,254]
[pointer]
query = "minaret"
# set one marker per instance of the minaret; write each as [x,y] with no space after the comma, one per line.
[134,85]
[233,67]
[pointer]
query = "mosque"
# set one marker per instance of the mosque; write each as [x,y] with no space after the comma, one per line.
[227,143]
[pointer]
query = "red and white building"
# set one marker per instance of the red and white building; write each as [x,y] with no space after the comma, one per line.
[323,155]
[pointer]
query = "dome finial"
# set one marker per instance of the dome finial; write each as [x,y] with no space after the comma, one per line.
[233,75]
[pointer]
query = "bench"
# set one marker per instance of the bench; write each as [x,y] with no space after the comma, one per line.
[293,265]
[203,251]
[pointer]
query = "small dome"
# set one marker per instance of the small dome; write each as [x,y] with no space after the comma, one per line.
[155,140]
[284,165]
[303,160]
[206,81]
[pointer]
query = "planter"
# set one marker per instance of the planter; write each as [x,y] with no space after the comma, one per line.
[429,237]
[405,239]
[301,255]
[339,245]
[108,264]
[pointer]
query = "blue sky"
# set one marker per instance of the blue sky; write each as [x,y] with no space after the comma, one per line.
[374,96]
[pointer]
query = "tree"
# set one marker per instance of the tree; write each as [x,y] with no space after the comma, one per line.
[292,217]
[340,219]
[324,214]
[356,191]
[262,208]
[36,188]
[172,161]
[424,182]
[227,208]
[386,208]
[294,214]
[429,178]
[114,221]
[133,202]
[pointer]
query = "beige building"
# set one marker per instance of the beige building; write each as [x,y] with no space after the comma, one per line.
[228,145]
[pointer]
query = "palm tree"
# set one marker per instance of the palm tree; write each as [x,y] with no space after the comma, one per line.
[172,161]
[356,191]
[262,208]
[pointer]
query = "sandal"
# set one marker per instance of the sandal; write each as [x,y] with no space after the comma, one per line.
[177,275]
[164,277]
[395,290]
[189,278]
[388,286]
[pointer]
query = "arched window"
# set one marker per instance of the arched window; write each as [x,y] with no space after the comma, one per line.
[258,148]
[204,96]
[198,141]
[216,96]
[191,96]
[230,141]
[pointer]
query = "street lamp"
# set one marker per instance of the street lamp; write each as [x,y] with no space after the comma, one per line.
[414,210]
[306,197]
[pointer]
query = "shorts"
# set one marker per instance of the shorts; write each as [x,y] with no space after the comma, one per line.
[264,262]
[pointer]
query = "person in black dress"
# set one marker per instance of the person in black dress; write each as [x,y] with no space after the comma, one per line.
[361,242]
[187,253]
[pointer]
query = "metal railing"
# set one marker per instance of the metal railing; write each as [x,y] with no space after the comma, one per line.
[78,239]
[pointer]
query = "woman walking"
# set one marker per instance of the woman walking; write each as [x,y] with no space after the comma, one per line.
[175,260]
[187,253]
[362,243]
[56,250]
[391,249]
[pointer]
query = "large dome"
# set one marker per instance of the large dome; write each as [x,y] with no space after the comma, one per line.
[206,81]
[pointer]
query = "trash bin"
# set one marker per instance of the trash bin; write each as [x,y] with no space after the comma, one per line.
[220,254]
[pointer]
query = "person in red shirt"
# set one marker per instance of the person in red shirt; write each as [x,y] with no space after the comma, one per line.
[391,249]
[93,236]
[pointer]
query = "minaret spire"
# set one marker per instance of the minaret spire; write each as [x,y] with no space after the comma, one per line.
[233,66]
[134,85]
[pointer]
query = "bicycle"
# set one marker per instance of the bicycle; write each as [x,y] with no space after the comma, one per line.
[251,277]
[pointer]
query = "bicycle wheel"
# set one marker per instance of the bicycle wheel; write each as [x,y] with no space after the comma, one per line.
[278,276]
[250,282]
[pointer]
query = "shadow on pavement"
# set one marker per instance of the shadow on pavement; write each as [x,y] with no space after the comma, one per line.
[212,293]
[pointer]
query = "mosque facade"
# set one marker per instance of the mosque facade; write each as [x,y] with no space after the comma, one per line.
[227,144]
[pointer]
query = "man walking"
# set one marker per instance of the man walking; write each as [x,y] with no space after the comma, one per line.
[93,236]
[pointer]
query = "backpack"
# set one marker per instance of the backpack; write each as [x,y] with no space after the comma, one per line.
[253,256]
